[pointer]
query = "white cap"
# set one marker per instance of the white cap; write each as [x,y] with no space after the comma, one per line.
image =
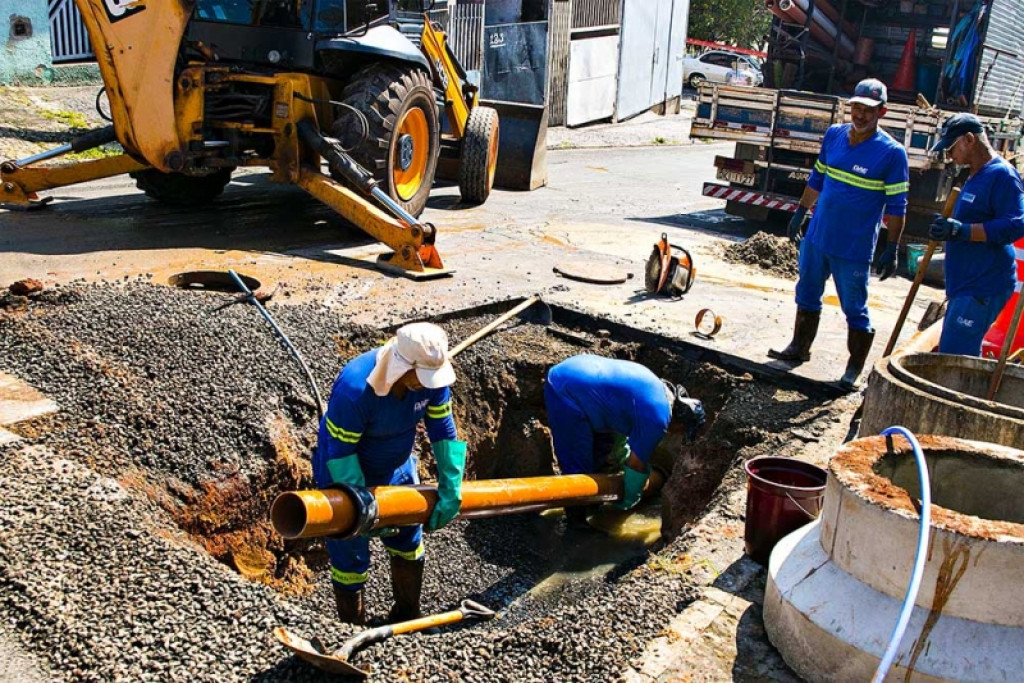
[417,346]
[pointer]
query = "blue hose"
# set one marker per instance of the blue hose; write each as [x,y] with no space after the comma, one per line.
[919,557]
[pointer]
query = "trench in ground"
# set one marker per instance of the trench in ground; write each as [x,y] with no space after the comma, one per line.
[499,410]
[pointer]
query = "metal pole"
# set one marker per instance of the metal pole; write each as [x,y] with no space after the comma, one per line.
[349,511]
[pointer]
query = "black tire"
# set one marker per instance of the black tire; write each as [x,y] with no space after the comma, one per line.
[178,188]
[479,157]
[391,98]
[695,80]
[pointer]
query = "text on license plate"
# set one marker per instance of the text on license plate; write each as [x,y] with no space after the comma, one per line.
[731,176]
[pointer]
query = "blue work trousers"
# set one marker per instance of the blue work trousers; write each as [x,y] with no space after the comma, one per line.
[578,448]
[851,278]
[967,320]
[350,560]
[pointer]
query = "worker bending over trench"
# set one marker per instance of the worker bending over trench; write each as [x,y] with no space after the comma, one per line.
[608,416]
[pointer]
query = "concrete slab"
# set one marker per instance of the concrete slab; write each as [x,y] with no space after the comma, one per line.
[20,402]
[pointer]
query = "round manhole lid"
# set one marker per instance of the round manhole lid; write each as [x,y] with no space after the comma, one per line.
[211,281]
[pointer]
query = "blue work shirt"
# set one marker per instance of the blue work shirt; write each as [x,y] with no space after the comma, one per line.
[380,430]
[858,185]
[617,396]
[994,197]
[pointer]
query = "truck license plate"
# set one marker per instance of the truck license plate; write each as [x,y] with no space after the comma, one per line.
[731,176]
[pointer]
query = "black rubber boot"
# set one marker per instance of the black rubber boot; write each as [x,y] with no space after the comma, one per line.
[858,343]
[804,331]
[351,608]
[407,584]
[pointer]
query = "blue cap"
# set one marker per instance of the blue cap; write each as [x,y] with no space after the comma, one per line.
[956,126]
[870,92]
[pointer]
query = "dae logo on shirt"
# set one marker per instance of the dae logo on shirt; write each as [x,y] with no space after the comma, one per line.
[421,405]
[968,197]
[859,169]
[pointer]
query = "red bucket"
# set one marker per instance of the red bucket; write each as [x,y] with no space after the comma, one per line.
[783,494]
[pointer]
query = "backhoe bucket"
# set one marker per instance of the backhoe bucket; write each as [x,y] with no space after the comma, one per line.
[522,145]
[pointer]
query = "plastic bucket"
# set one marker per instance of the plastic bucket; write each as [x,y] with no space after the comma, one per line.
[914,254]
[783,494]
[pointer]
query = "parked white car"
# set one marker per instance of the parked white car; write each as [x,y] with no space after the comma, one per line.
[715,65]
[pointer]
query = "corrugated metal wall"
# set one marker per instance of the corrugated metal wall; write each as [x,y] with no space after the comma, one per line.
[466,33]
[69,40]
[1000,83]
[559,25]
[591,13]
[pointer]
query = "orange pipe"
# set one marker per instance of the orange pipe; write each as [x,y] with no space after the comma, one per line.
[338,512]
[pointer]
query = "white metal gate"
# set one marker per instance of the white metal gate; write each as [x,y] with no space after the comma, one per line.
[636,56]
[69,41]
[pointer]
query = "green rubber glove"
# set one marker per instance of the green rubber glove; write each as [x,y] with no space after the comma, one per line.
[633,483]
[451,463]
[346,471]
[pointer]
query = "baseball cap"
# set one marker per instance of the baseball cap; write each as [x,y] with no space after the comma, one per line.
[422,347]
[955,126]
[870,92]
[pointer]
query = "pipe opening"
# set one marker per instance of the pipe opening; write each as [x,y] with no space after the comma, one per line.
[288,515]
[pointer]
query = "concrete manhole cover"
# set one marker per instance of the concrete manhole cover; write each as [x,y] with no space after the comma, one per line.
[594,273]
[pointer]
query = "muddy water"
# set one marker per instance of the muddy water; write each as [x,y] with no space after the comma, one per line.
[577,555]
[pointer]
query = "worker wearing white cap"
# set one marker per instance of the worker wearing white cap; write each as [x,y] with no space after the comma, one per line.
[366,438]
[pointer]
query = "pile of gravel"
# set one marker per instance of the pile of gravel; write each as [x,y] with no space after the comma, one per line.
[163,399]
[776,255]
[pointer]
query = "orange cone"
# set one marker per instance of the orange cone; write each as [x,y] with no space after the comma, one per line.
[904,78]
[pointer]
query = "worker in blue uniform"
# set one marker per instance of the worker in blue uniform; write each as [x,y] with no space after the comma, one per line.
[608,415]
[366,438]
[860,175]
[988,218]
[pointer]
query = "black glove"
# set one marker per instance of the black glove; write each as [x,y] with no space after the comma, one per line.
[949,229]
[796,225]
[887,261]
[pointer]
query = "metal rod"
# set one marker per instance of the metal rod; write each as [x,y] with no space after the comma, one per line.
[336,512]
[394,207]
[287,342]
[43,156]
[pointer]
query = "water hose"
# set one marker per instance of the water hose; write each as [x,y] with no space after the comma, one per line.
[919,557]
[249,296]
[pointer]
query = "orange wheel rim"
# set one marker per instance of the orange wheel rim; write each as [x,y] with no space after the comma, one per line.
[409,159]
[492,156]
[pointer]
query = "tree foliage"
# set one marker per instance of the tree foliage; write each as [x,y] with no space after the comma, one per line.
[736,22]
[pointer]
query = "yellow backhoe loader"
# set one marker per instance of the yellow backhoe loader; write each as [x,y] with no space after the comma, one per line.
[198,88]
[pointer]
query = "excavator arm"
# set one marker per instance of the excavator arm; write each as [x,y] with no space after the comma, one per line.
[136,44]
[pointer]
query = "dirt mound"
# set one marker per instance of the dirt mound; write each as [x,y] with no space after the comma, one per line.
[777,255]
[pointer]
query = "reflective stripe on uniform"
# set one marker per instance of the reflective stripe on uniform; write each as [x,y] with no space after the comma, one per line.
[439,412]
[411,555]
[897,188]
[819,167]
[855,180]
[348,578]
[341,434]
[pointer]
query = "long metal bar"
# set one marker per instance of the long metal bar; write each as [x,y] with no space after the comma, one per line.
[339,512]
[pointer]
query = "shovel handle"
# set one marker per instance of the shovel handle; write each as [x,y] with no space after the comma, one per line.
[490,327]
[1011,334]
[947,211]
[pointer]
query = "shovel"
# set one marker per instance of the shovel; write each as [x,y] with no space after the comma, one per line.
[541,315]
[947,211]
[337,662]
